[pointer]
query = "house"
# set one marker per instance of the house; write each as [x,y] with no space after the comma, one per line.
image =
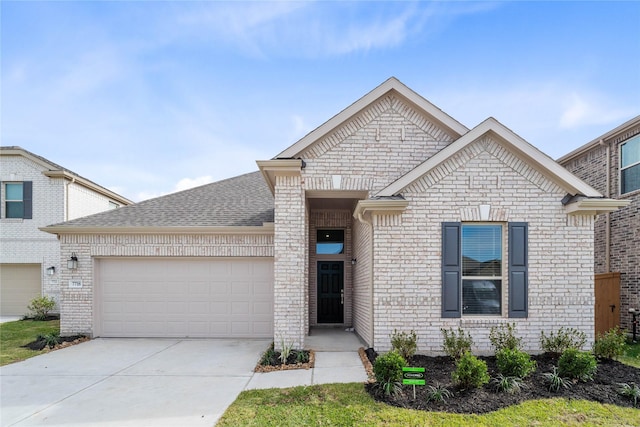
[611,164]
[36,192]
[391,215]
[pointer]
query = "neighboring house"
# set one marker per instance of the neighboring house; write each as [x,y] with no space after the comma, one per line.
[36,192]
[611,164]
[391,215]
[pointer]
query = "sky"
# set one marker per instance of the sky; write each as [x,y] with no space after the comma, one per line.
[147,98]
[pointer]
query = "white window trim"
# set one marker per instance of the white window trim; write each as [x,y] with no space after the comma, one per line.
[621,168]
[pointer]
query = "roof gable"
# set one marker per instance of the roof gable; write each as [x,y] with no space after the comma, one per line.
[392,88]
[512,142]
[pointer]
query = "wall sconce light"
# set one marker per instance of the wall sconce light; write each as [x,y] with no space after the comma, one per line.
[353,261]
[51,271]
[72,263]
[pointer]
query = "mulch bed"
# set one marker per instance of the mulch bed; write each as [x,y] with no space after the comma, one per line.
[603,389]
[41,344]
[275,364]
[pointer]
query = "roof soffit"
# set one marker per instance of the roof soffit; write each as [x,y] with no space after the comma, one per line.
[512,142]
[391,87]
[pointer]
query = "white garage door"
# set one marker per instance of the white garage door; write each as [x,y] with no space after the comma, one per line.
[185,297]
[19,284]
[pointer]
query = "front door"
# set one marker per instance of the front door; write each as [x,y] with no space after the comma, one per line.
[330,291]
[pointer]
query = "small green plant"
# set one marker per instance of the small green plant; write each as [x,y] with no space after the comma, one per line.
[40,307]
[438,393]
[515,363]
[556,382]
[285,351]
[504,336]
[50,340]
[470,371]
[610,344]
[269,356]
[456,344]
[507,384]
[562,340]
[578,365]
[404,343]
[302,356]
[388,371]
[631,391]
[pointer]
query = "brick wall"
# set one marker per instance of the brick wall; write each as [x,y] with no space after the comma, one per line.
[407,270]
[362,282]
[624,223]
[77,306]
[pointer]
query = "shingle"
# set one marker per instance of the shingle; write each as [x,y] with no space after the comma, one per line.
[244,200]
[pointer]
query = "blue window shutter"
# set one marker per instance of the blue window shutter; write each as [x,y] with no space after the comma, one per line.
[27,199]
[451,270]
[518,270]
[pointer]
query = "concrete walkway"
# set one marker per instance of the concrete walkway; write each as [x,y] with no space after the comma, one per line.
[150,382]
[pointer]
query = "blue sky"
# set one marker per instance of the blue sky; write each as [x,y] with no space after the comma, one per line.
[147,98]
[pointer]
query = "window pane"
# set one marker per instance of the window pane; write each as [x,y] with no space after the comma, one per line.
[482,250]
[14,210]
[630,179]
[330,242]
[14,191]
[481,296]
[630,152]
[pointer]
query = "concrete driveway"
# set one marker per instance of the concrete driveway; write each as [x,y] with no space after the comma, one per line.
[128,382]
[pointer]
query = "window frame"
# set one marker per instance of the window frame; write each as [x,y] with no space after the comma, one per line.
[501,277]
[635,139]
[7,200]
[333,241]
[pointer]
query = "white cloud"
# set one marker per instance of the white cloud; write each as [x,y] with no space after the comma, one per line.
[582,109]
[187,183]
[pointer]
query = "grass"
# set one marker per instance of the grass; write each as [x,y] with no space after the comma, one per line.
[351,405]
[631,354]
[13,335]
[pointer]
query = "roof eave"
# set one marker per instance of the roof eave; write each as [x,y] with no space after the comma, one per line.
[88,184]
[380,206]
[271,168]
[595,206]
[266,228]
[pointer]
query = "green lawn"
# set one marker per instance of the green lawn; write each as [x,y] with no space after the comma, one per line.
[631,355]
[13,335]
[351,405]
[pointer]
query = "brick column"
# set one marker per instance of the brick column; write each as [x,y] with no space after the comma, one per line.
[290,309]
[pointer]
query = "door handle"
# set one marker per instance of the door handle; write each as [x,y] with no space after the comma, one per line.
[342,296]
[613,307]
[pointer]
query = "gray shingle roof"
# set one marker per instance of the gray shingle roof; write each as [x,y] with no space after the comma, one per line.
[244,200]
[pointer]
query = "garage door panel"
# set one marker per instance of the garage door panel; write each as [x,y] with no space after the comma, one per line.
[185,298]
[19,284]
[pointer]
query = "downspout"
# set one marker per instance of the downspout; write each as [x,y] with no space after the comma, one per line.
[66,199]
[370,223]
[607,226]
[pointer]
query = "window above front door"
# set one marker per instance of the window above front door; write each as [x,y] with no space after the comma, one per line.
[330,242]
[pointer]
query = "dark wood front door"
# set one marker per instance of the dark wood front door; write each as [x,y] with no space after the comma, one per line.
[330,291]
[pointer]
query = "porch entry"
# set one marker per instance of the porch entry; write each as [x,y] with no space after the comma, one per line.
[330,291]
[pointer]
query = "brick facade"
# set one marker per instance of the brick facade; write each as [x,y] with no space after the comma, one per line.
[55,200]
[590,164]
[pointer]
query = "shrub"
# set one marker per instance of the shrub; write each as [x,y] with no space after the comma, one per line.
[456,344]
[504,336]
[388,371]
[470,371]
[556,382]
[576,364]
[563,340]
[50,340]
[610,344]
[515,363]
[438,393]
[302,356]
[285,351]
[507,384]
[404,343]
[41,306]
[269,356]
[631,391]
